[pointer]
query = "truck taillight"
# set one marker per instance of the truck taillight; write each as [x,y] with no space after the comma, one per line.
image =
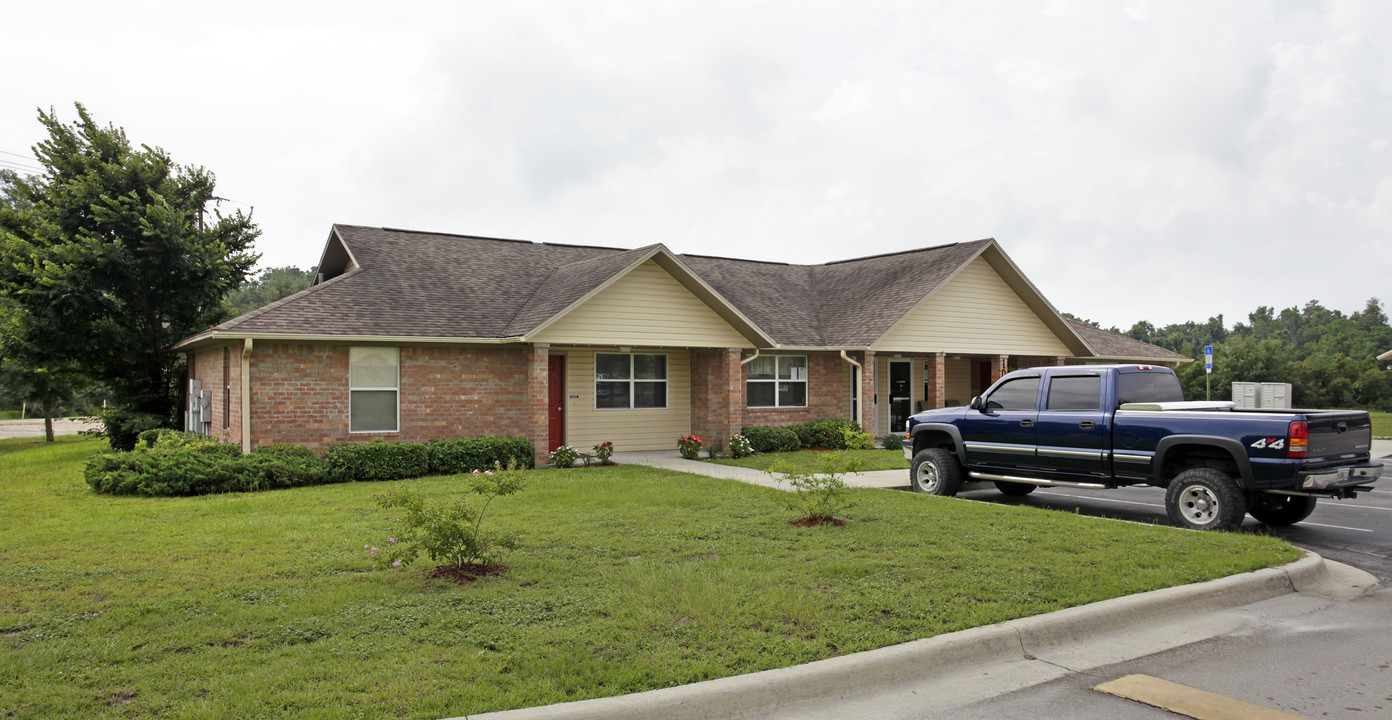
[1298,439]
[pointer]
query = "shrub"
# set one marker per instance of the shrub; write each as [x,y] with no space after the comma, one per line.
[194,469]
[604,451]
[740,447]
[803,431]
[452,532]
[818,495]
[564,456]
[689,446]
[461,455]
[852,440]
[893,441]
[376,460]
[771,439]
[122,428]
[281,466]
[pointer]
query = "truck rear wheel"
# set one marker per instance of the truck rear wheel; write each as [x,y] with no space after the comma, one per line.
[1281,509]
[1205,499]
[935,471]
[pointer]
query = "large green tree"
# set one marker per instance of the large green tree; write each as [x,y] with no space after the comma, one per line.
[110,260]
[271,285]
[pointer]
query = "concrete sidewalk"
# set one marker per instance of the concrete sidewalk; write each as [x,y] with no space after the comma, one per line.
[672,460]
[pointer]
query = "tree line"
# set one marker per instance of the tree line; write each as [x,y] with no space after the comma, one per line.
[1329,358]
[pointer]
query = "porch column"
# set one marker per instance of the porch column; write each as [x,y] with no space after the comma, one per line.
[867,392]
[1060,361]
[538,387]
[999,367]
[731,376]
[937,365]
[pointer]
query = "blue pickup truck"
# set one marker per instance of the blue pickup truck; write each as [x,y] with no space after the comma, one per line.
[1107,426]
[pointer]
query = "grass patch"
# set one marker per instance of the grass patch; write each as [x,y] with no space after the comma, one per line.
[1382,423]
[808,460]
[628,579]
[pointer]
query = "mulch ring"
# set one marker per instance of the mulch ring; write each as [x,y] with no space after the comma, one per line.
[813,522]
[468,573]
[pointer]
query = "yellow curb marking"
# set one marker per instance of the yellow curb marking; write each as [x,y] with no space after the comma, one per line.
[1185,700]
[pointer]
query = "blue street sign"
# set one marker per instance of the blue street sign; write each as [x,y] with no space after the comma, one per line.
[1208,357]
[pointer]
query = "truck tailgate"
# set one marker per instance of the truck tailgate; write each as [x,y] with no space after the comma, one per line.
[1339,433]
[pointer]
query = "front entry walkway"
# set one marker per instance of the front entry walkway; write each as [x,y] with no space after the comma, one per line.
[672,460]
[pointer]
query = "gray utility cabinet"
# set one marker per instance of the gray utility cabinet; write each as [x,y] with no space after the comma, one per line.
[1263,395]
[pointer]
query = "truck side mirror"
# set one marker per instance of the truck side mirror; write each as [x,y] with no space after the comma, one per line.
[977,404]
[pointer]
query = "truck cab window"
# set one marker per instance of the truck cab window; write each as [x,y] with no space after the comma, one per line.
[1078,392]
[1018,394]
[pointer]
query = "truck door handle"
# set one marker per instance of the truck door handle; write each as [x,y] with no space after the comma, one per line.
[1087,425]
[1027,422]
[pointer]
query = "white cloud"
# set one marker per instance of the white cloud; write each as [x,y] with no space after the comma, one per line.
[1161,161]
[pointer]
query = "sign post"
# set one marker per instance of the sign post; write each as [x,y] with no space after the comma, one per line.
[1208,372]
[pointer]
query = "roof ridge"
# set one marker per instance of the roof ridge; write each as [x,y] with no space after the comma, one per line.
[905,252]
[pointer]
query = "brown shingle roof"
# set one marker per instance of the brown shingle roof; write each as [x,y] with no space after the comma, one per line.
[429,285]
[1108,344]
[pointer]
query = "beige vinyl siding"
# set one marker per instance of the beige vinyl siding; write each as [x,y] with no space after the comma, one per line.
[959,380]
[976,312]
[643,429]
[645,307]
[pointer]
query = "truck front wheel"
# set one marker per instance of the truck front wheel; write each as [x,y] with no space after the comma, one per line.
[1205,499]
[1279,510]
[935,471]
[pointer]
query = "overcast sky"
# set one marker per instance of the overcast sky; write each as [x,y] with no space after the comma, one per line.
[1164,161]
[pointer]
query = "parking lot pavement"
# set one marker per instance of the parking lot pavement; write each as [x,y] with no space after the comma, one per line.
[34,427]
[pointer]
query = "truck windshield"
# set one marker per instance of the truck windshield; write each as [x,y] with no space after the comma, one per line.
[1148,387]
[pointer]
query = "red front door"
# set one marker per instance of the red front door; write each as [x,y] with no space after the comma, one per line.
[555,412]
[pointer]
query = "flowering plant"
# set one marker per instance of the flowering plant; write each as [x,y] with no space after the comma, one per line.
[689,446]
[604,451]
[740,447]
[564,456]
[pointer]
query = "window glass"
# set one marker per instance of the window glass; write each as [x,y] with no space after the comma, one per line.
[1148,386]
[761,394]
[792,368]
[372,367]
[372,411]
[373,379]
[612,367]
[792,394]
[611,394]
[1075,393]
[777,381]
[650,367]
[650,394]
[762,367]
[1018,394]
[629,381]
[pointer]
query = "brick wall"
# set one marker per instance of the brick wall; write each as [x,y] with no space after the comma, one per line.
[827,394]
[207,367]
[717,394]
[299,393]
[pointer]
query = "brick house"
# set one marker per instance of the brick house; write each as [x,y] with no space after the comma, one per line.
[412,336]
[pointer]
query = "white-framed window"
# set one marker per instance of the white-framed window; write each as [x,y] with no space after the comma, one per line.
[630,381]
[374,382]
[777,381]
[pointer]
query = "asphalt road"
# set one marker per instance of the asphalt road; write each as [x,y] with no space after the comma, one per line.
[1357,532]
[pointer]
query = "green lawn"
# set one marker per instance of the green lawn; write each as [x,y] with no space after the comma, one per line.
[628,579]
[1382,423]
[808,460]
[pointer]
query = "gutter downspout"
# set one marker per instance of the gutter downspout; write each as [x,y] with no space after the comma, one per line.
[750,359]
[246,396]
[860,384]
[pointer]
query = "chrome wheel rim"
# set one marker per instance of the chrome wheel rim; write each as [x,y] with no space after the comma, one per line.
[1198,504]
[927,476]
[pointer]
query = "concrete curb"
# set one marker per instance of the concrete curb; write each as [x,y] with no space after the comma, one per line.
[877,670]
